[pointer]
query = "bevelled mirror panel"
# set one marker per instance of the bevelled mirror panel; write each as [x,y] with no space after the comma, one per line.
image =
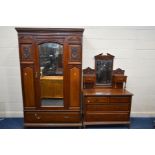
[103,72]
[104,69]
[51,74]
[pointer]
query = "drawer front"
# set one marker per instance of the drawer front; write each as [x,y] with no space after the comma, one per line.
[120,99]
[109,107]
[101,117]
[119,78]
[90,100]
[89,78]
[52,117]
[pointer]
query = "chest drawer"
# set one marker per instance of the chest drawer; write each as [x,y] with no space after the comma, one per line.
[102,117]
[119,78]
[51,117]
[88,78]
[108,107]
[120,99]
[89,100]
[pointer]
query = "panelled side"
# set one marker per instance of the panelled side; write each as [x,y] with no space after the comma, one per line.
[75,87]
[74,66]
[28,86]
[27,56]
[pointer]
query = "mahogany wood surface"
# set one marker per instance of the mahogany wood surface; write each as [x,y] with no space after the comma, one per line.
[89,78]
[106,92]
[34,113]
[106,106]
[28,83]
[51,87]
[97,106]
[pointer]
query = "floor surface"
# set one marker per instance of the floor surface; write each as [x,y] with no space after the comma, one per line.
[136,123]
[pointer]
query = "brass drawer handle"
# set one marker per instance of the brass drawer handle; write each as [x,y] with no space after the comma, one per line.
[36,116]
[88,101]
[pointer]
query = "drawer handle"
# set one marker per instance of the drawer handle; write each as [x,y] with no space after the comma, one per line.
[36,116]
[88,101]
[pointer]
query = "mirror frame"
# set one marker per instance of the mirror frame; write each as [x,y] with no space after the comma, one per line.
[54,75]
[104,58]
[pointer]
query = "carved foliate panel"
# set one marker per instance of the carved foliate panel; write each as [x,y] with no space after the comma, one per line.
[89,70]
[26,52]
[118,71]
[74,39]
[26,39]
[75,53]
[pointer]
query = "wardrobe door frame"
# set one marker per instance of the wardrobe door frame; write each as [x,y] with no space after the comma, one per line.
[50,39]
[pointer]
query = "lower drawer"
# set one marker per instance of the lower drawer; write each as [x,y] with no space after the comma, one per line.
[88,78]
[92,100]
[101,117]
[52,117]
[108,107]
[120,99]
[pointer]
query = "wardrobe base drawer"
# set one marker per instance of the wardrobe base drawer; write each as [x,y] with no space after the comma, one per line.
[52,117]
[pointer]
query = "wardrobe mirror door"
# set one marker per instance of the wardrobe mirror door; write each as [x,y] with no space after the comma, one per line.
[51,74]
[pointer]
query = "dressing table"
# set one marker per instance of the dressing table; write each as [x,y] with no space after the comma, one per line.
[108,102]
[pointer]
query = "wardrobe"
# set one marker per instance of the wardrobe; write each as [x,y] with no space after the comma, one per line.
[51,73]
